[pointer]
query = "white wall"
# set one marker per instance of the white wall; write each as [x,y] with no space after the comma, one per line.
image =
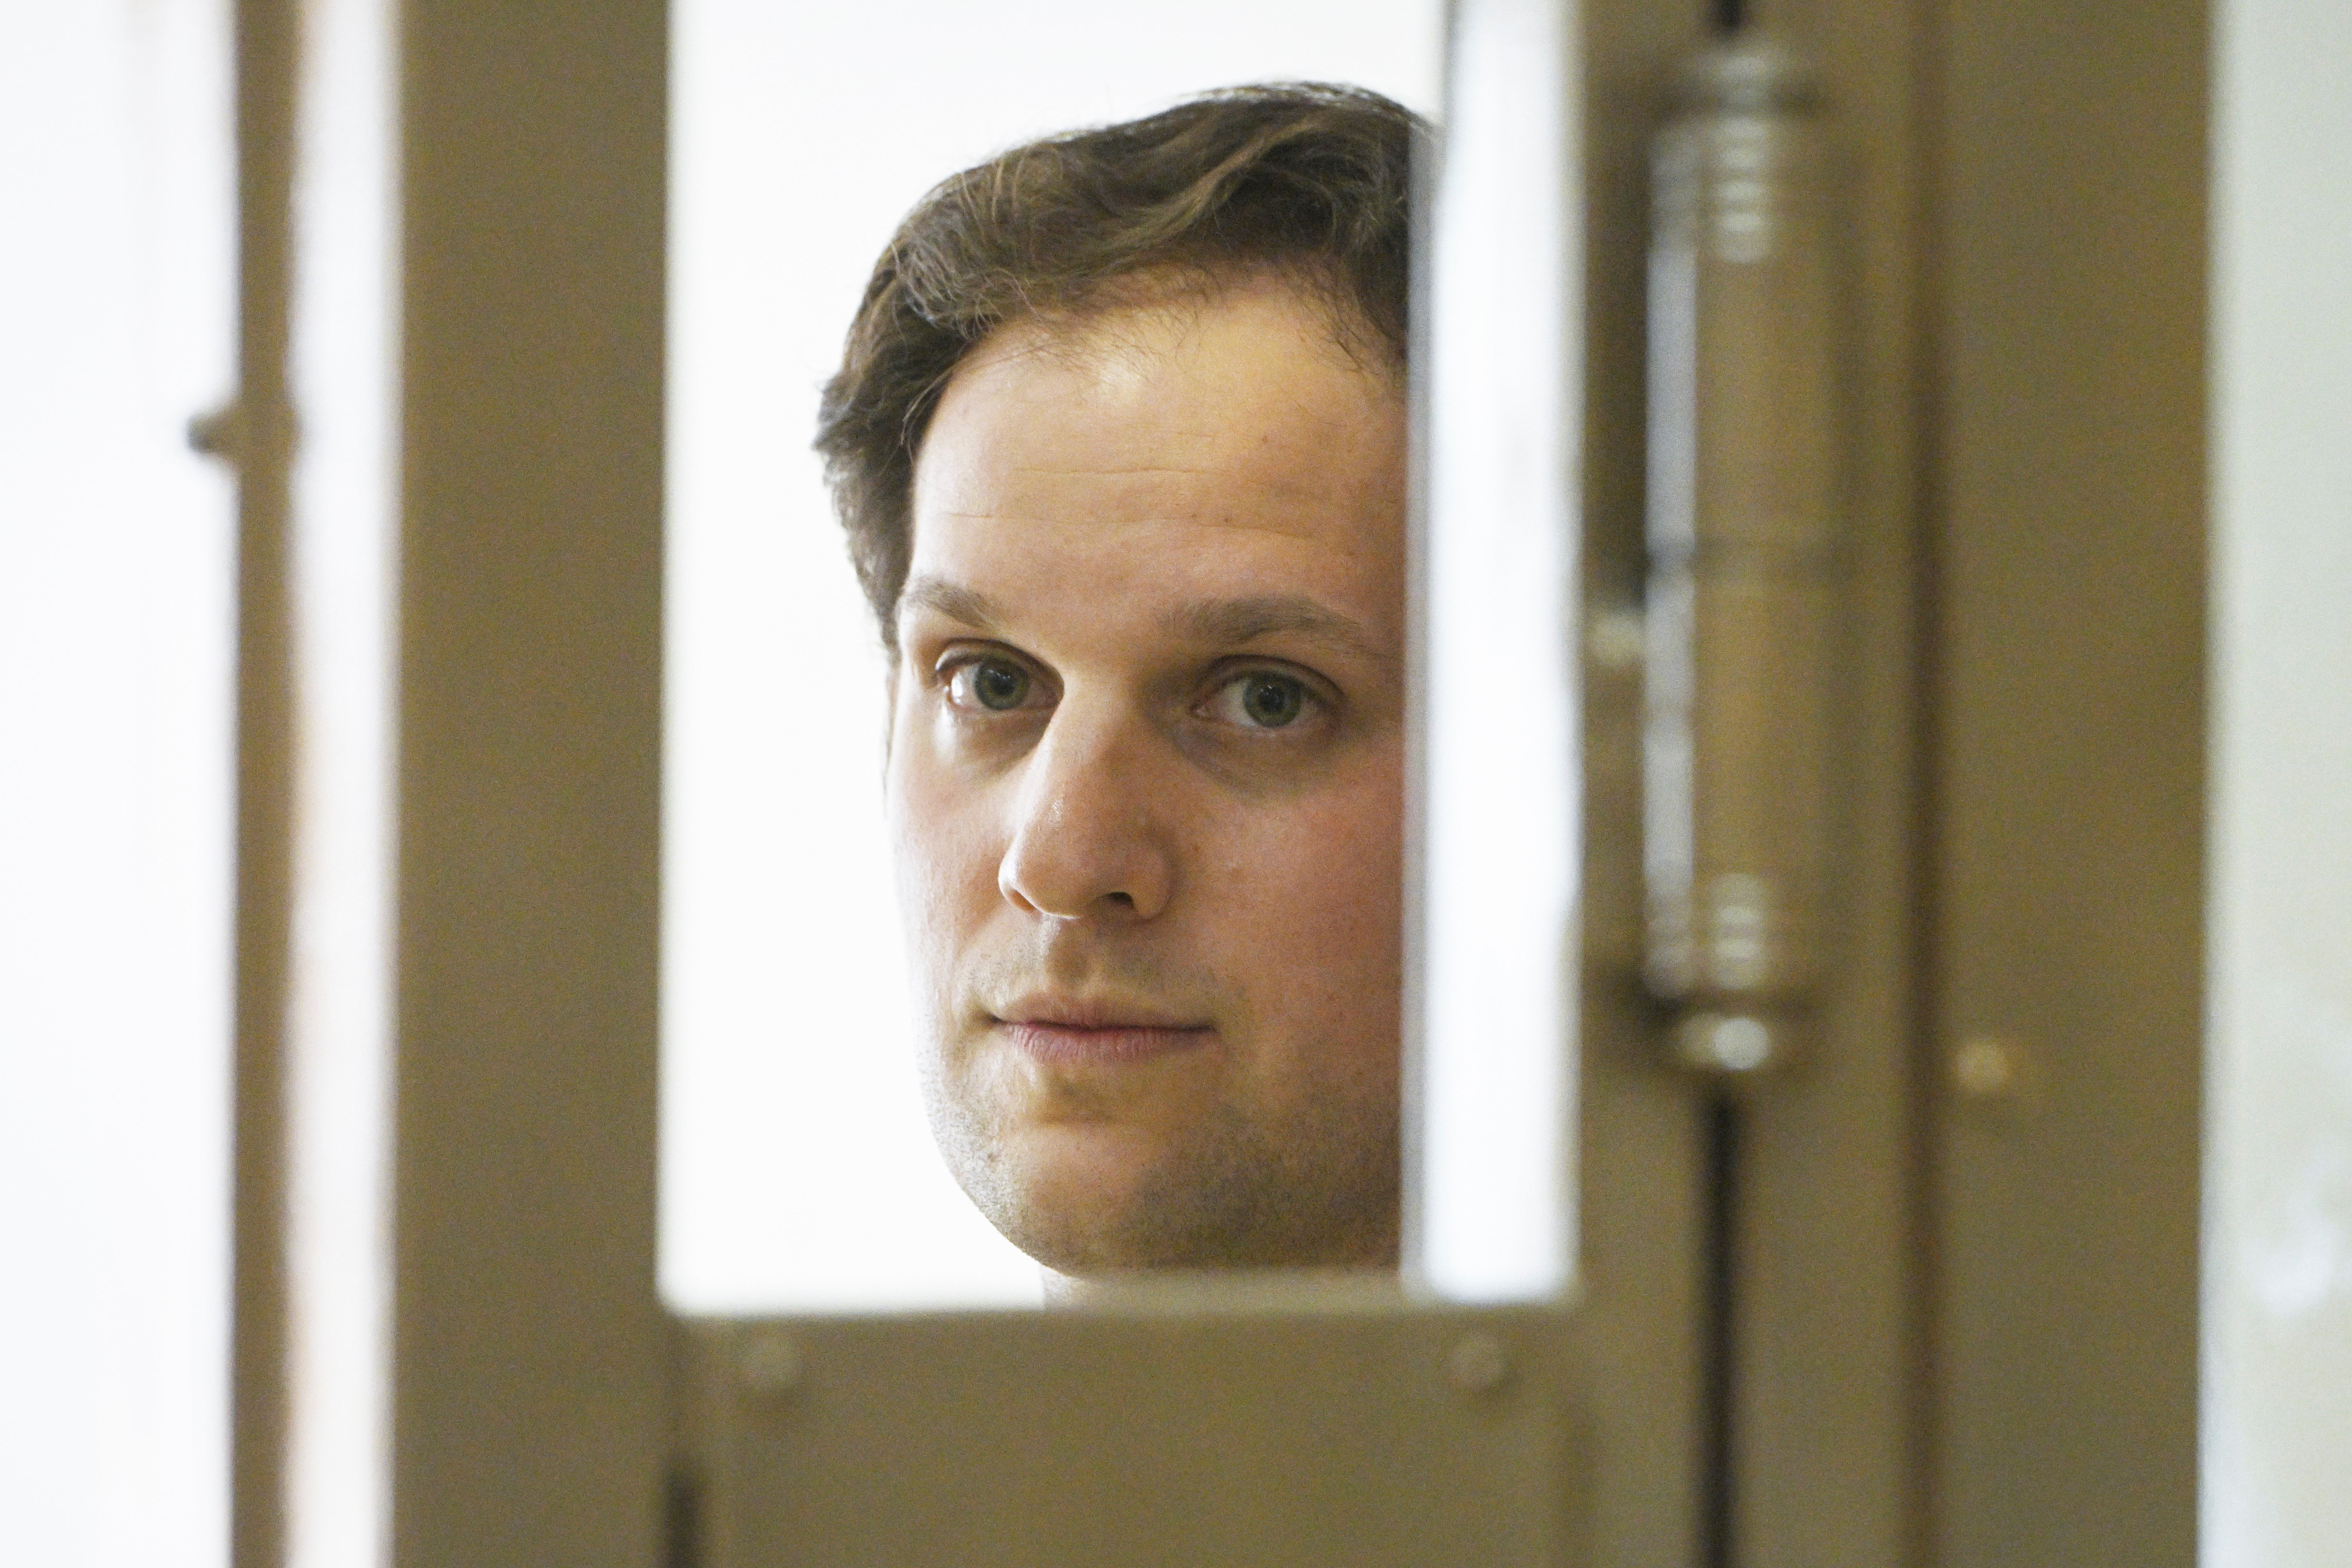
[2277,1471]
[796,1171]
[116,554]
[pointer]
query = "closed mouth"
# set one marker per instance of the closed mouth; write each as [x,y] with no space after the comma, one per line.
[1066,1033]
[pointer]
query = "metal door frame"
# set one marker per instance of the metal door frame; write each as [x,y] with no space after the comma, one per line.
[1889,1344]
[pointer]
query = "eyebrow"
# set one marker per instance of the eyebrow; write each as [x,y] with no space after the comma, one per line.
[1232,622]
[953,600]
[1228,623]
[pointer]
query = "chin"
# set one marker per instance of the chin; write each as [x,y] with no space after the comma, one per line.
[1099,1200]
[1077,1199]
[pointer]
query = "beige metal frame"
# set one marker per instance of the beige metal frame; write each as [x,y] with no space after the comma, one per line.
[256,432]
[2069,690]
[1828,1342]
[1963,1325]
[1277,1426]
[528,1345]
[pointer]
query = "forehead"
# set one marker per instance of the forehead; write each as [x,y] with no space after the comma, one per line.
[1207,444]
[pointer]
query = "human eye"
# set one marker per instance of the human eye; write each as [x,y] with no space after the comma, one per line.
[991,683]
[1262,699]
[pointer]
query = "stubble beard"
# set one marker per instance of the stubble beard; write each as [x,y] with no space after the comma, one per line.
[1319,1191]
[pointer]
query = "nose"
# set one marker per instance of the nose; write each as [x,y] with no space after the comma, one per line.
[1087,841]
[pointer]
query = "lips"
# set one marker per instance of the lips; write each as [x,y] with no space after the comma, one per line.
[1069,1033]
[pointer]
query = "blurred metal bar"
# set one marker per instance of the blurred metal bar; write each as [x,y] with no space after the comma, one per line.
[256,433]
[2074,232]
[1830,1229]
[527,1346]
[1267,1426]
[1640,1135]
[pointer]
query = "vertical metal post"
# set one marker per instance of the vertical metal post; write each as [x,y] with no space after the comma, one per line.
[2074,229]
[1743,609]
[257,433]
[529,1354]
[1642,1139]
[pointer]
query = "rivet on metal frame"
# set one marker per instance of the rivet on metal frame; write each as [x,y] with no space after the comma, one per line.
[769,1362]
[1478,1364]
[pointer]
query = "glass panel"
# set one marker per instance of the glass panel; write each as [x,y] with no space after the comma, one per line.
[117,548]
[797,1170]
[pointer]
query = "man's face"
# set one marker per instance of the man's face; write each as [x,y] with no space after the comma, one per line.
[1145,782]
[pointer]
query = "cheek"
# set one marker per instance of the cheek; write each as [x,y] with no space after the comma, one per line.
[945,840]
[1317,890]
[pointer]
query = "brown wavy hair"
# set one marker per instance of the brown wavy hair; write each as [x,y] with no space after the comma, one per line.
[1308,180]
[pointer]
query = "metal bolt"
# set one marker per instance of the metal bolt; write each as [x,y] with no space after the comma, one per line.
[770,1363]
[1478,1364]
[1986,1067]
[1615,640]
